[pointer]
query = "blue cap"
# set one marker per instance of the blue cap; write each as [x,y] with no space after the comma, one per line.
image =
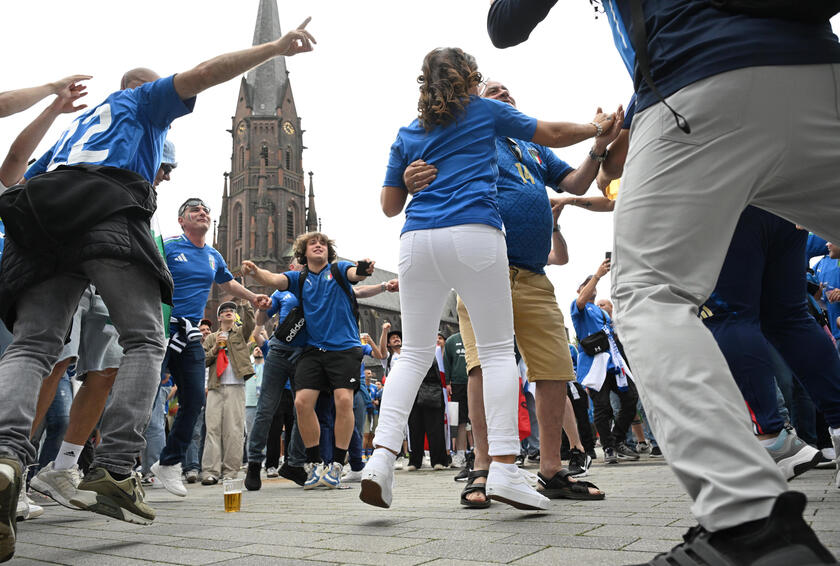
[169,154]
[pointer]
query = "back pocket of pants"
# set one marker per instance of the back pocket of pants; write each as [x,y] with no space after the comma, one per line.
[477,247]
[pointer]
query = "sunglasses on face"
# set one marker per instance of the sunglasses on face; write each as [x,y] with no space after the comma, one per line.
[167,168]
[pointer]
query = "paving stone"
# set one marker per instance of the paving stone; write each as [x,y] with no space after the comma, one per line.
[467,550]
[369,558]
[567,541]
[639,531]
[589,557]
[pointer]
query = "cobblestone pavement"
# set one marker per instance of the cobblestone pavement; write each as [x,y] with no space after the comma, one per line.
[645,512]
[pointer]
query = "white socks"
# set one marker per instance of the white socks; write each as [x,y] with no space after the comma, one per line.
[68,456]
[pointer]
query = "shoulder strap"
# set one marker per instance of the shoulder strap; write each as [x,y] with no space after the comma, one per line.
[351,296]
[304,273]
[639,39]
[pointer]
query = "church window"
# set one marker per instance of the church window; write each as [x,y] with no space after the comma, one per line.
[241,158]
[290,224]
[238,222]
[288,159]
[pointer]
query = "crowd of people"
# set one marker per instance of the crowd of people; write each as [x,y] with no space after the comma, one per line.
[720,354]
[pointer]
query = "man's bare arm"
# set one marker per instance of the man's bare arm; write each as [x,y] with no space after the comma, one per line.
[14,166]
[230,65]
[264,277]
[14,101]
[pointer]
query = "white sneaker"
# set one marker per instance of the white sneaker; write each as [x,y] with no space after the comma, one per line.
[26,508]
[399,463]
[530,479]
[377,482]
[509,486]
[272,472]
[459,460]
[59,485]
[351,477]
[170,477]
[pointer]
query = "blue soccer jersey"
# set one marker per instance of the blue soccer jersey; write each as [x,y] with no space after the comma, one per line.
[127,130]
[2,237]
[464,152]
[282,302]
[193,270]
[330,323]
[525,170]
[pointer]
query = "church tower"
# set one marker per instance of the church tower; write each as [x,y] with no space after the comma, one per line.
[264,206]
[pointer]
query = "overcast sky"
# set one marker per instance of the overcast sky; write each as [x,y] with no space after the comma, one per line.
[352,93]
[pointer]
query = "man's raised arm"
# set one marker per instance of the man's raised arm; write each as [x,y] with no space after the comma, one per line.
[230,65]
[14,101]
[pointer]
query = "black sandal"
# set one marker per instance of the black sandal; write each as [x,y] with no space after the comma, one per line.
[562,487]
[472,487]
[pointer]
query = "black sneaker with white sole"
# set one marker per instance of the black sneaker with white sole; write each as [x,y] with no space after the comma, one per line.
[624,452]
[782,539]
[579,463]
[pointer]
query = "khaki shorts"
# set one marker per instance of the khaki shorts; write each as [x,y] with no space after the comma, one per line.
[538,324]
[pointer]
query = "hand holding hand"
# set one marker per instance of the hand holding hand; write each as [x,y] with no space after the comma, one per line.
[61,84]
[393,286]
[418,175]
[261,302]
[611,133]
[605,121]
[296,41]
[556,209]
[833,296]
[603,269]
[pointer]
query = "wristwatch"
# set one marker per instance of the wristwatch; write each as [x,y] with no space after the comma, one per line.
[384,287]
[599,158]
[556,228]
[599,131]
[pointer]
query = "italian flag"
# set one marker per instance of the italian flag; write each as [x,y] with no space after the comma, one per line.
[165,310]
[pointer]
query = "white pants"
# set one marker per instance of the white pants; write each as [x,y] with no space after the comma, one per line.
[767,136]
[472,258]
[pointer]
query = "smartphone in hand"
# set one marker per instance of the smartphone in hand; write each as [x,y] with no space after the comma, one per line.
[362,267]
[608,256]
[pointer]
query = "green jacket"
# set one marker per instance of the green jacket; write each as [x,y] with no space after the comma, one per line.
[238,349]
[454,362]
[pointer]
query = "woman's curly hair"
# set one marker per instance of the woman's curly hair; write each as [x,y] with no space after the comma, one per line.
[301,242]
[448,75]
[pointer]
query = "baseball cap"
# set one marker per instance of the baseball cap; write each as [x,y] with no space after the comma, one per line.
[169,154]
[394,333]
[225,305]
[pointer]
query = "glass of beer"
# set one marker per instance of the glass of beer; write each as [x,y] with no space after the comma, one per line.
[233,495]
[221,339]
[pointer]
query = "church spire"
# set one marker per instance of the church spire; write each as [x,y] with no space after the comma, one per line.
[311,215]
[266,83]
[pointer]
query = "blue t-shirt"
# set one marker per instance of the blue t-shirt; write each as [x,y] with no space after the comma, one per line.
[193,270]
[366,351]
[815,246]
[827,271]
[2,238]
[330,323]
[282,302]
[525,169]
[127,130]
[464,152]
[690,40]
[589,321]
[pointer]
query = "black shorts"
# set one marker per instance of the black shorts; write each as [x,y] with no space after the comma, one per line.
[328,371]
[459,395]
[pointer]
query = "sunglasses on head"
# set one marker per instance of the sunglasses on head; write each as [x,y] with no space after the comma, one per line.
[514,147]
[193,203]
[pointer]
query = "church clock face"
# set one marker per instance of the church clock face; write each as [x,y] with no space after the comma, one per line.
[288,128]
[241,129]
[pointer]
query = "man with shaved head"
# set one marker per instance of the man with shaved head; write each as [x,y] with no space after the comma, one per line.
[102,169]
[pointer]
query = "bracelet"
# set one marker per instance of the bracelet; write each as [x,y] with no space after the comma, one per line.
[599,158]
[384,287]
[598,128]
[556,228]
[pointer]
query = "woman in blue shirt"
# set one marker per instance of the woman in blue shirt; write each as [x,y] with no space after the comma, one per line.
[452,238]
